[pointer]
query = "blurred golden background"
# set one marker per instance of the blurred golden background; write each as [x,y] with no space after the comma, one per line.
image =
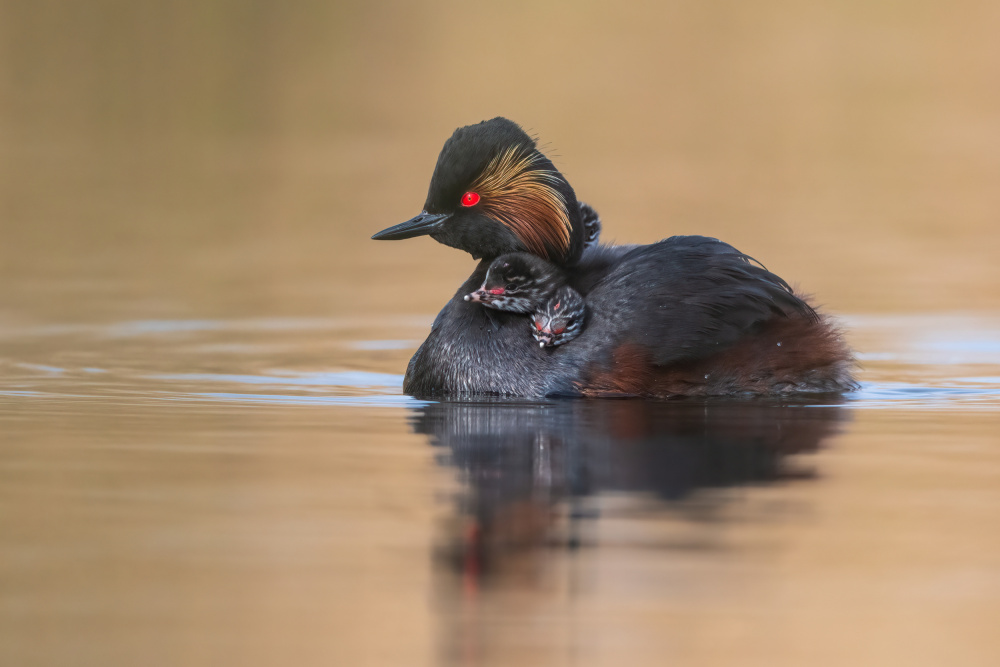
[193,159]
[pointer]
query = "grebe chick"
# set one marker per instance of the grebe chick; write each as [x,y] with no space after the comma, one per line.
[560,319]
[525,284]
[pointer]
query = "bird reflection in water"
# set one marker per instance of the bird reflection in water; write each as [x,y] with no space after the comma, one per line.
[530,473]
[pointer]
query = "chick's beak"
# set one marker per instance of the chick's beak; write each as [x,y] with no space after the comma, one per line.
[479,296]
[425,223]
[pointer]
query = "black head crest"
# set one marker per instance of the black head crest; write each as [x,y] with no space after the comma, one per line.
[501,194]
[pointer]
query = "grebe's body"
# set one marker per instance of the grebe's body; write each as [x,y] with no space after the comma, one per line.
[686,316]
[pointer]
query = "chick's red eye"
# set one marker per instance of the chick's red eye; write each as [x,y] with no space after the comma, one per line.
[470,199]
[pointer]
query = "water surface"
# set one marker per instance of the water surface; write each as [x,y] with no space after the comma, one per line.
[245,490]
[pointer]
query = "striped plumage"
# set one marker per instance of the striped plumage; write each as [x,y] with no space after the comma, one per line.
[528,285]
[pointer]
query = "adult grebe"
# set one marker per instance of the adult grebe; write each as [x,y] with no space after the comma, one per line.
[687,316]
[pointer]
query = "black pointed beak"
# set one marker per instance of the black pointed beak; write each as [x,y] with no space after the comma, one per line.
[425,223]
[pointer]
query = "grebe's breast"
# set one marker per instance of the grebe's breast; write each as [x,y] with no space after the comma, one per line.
[477,350]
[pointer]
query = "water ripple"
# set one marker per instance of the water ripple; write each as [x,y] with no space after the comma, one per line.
[375,401]
[973,393]
[342,379]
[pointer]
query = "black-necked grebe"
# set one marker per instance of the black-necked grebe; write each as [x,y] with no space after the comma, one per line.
[688,315]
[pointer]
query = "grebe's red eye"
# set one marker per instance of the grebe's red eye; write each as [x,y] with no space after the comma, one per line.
[538,325]
[470,199]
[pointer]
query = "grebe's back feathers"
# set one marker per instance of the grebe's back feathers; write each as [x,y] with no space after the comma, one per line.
[689,296]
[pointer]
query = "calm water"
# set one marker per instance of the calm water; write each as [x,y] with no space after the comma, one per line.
[205,453]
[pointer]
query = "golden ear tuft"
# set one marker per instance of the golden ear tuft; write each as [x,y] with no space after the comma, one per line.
[524,199]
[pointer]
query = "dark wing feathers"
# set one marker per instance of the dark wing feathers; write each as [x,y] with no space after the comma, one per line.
[689,296]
